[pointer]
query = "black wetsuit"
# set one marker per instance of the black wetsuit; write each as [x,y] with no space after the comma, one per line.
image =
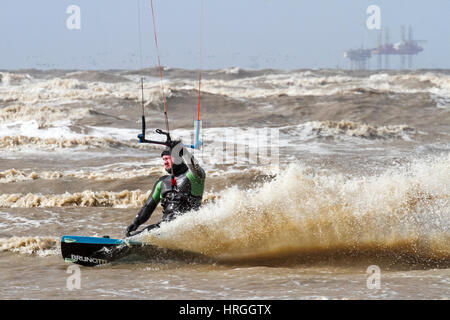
[185,196]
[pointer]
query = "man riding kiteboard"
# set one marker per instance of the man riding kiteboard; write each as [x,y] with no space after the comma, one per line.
[179,191]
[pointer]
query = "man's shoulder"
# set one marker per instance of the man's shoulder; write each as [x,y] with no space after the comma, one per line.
[162,178]
[193,178]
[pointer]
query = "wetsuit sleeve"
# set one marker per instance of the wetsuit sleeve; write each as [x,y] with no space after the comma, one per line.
[193,165]
[150,205]
[196,174]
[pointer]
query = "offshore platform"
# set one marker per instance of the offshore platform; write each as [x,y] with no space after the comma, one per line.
[405,49]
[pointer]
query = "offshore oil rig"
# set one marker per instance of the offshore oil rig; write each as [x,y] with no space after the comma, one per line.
[405,49]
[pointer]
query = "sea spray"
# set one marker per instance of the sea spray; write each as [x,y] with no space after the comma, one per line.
[405,210]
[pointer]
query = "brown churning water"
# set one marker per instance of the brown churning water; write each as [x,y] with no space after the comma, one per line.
[362,179]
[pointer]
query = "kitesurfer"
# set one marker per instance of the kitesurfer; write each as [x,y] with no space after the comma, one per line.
[178,193]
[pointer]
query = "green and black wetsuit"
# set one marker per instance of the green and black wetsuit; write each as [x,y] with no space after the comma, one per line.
[185,196]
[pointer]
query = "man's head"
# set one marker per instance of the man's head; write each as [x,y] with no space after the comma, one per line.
[168,161]
[167,158]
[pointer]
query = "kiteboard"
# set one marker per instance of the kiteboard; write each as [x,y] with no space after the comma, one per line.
[93,251]
[97,251]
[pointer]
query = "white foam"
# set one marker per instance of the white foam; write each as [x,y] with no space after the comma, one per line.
[120,134]
[308,83]
[58,91]
[59,129]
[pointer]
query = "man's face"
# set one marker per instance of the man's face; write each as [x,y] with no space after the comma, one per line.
[167,162]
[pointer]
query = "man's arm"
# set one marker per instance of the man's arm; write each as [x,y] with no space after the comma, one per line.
[196,174]
[192,164]
[148,208]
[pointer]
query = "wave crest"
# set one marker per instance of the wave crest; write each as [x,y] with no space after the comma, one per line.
[87,198]
[43,246]
[350,129]
[88,142]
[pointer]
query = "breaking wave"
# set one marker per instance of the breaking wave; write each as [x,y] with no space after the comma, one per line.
[86,142]
[87,198]
[88,86]
[13,79]
[44,115]
[348,128]
[42,246]
[13,175]
[309,83]
[58,91]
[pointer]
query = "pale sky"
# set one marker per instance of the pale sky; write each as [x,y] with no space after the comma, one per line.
[250,34]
